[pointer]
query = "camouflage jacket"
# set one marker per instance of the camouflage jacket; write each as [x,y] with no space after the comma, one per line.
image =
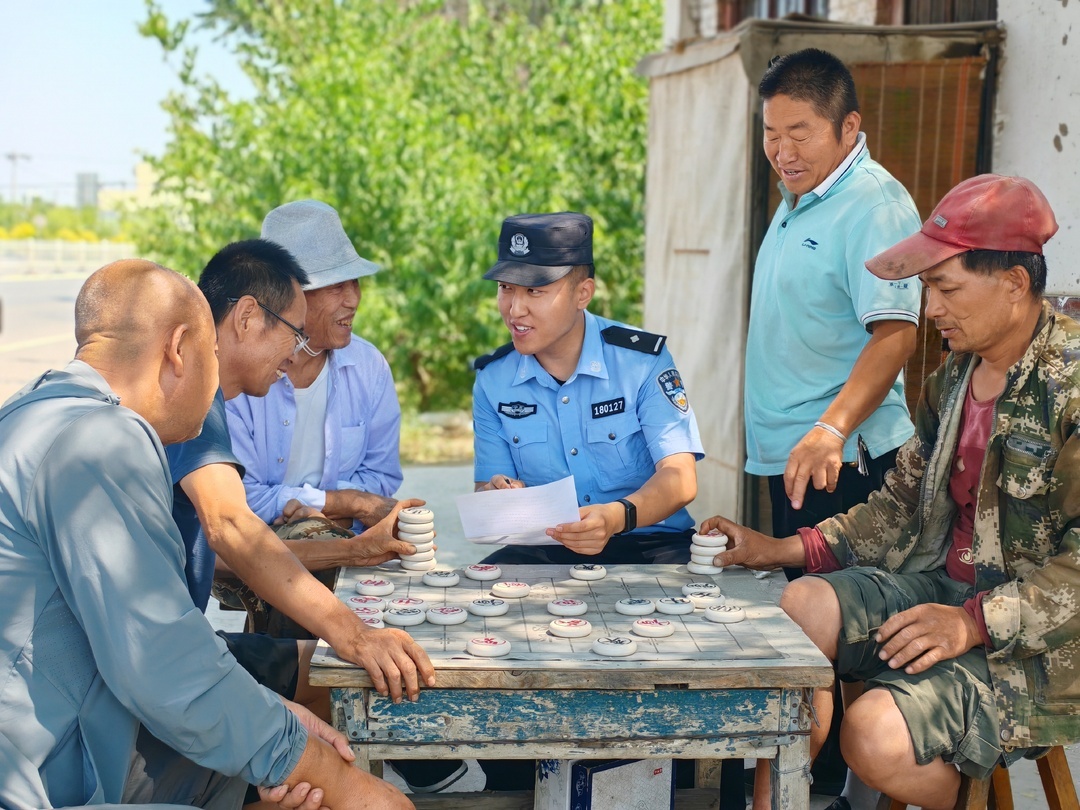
[1026,540]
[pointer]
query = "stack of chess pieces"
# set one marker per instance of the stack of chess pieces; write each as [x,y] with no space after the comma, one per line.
[416,525]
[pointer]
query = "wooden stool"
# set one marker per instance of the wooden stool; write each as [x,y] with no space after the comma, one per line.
[996,791]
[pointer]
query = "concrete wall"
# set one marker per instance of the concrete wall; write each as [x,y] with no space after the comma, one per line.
[1037,118]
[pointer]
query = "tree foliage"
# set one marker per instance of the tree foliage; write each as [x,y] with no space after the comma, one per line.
[425,123]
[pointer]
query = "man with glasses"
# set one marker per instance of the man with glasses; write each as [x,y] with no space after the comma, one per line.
[326,434]
[299,337]
[254,292]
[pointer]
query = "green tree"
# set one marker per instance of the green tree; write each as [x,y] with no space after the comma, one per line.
[424,123]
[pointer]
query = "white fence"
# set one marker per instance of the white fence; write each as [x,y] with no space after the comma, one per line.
[43,256]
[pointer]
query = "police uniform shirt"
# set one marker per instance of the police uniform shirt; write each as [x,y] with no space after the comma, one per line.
[622,411]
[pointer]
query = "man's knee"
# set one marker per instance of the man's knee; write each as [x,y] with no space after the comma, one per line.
[812,604]
[874,736]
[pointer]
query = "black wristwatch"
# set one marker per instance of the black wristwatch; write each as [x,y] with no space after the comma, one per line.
[631,515]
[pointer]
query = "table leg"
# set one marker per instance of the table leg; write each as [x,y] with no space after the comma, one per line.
[363,760]
[789,775]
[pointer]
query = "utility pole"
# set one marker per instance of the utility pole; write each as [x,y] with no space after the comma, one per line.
[15,157]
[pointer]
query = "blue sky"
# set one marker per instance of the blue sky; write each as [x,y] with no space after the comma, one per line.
[81,90]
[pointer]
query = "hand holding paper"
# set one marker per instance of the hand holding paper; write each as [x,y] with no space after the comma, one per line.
[518,516]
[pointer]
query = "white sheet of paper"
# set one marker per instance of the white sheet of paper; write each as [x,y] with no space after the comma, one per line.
[518,517]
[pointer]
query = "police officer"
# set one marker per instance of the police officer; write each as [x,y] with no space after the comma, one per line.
[576,394]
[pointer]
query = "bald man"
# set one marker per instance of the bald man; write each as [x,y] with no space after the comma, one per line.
[98,632]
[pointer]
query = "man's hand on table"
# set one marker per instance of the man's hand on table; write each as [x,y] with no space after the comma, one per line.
[752,549]
[392,659]
[591,534]
[816,460]
[921,636]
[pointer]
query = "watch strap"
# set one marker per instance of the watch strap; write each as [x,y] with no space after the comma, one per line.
[631,515]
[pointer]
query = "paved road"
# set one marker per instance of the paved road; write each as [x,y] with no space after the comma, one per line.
[36,326]
[36,333]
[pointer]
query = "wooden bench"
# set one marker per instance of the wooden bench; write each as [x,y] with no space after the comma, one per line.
[996,791]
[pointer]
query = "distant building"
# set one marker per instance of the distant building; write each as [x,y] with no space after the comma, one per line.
[86,190]
[137,196]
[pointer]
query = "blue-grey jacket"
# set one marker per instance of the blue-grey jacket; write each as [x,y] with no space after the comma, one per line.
[97,630]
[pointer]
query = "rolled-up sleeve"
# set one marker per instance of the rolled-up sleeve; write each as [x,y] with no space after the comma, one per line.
[103,514]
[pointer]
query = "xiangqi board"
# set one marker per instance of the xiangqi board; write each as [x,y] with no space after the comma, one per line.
[526,623]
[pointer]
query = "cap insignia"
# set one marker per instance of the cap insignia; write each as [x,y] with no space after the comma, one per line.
[940,221]
[519,244]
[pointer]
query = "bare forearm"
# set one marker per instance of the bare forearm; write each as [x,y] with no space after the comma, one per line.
[366,507]
[873,374]
[671,487]
[255,554]
[318,555]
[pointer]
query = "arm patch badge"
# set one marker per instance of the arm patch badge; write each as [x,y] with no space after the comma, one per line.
[671,384]
[516,410]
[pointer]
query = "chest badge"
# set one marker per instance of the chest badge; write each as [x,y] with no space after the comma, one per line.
[671,384]
[608,407]
[516,410]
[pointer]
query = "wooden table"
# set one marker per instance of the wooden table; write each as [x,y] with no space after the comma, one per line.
[709,692]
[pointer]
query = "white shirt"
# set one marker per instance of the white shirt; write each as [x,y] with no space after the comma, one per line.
[308,444]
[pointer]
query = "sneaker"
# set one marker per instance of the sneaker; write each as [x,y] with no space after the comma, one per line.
[428,775]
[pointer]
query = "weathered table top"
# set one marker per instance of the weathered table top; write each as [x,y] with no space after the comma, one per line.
[766,650]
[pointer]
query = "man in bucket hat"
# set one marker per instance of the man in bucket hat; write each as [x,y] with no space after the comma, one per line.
[326,435]
[954,593]
[576,394]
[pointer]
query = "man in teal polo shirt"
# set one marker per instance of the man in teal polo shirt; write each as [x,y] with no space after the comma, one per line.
[827,341]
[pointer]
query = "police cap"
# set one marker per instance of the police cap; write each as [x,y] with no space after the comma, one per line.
[538,249]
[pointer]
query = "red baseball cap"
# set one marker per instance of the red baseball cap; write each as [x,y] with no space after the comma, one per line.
[988,212]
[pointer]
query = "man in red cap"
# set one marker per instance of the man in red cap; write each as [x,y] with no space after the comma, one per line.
[954,592]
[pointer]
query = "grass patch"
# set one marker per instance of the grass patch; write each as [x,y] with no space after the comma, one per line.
[436,438]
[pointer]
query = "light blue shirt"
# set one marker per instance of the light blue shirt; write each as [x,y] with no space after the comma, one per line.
[97,629]
[363,428]
[811,306]
[620,413]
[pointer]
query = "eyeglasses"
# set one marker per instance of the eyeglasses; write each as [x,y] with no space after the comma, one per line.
[302,340]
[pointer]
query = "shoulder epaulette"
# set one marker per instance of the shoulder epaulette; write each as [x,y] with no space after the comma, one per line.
[634,339]
[486,359]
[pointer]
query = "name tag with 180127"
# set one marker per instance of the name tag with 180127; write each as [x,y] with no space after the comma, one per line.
[608,408]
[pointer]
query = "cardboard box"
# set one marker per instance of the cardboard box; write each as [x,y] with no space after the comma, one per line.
[602,784]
